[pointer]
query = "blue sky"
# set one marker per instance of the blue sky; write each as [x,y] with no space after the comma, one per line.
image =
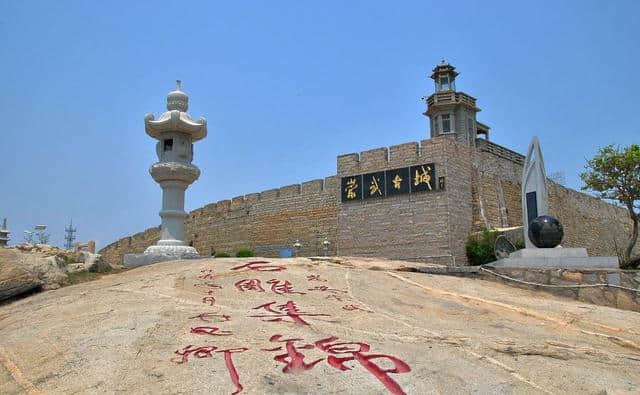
[286,86]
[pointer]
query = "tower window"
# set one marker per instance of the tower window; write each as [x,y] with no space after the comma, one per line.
[444,83]
[168,144]
[446,123]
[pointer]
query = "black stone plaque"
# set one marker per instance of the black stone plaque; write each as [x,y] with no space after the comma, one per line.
[373,185]
[398,181]
[532,206]
[423,178]
[441,183]
[351,188]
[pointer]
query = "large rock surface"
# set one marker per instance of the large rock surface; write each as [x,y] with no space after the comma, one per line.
[343,326]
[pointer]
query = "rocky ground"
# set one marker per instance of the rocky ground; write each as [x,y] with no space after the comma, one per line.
[292,326]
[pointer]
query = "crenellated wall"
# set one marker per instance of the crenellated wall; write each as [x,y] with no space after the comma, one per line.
[265,222]
[426,226]
[482,190]
[268,221]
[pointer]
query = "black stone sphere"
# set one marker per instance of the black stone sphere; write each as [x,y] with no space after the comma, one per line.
[545,232]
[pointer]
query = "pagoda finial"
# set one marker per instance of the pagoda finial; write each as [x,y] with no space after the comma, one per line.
[177,99]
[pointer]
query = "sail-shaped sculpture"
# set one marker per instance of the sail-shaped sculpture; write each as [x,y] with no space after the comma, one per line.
[535,195]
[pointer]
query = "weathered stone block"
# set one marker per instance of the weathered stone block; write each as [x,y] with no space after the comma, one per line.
[613,278]
[625,301]
[572,276]
[592,295]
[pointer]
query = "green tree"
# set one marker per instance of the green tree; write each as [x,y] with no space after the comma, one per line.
[614,174]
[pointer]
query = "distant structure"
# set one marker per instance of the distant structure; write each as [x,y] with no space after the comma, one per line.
[176,132]
[43,236]
[89,246]
[39,231]
[69,235]
[4,234]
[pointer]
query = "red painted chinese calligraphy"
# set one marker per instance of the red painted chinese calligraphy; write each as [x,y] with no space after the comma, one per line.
[206,352]
[249,285]
[282,287]
[287,310]
[233,373]
[206,274]
[357,351]
[210,330]
[292,359]
[315,277]
[197,352]
[209,299]
[206,316]
[259,266]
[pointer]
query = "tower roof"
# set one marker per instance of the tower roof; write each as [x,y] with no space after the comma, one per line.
[444,68]
[176,118]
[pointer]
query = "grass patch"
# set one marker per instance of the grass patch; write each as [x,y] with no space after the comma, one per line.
[84,276]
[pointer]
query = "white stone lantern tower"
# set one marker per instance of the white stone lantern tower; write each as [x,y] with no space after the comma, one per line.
[176,132]
[4,234]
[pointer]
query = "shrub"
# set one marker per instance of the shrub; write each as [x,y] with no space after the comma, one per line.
[222,255]
[244,253]
[480,247]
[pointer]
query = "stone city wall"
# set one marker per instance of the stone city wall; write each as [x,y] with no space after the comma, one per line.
[269,221]
[424,226]
[266,222]
[135,244]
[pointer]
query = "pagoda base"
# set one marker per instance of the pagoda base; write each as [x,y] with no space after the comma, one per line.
[160,253]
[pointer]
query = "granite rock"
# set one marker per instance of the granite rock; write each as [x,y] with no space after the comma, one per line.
[263,326]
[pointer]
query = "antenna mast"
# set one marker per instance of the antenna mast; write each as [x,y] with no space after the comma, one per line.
[69,237]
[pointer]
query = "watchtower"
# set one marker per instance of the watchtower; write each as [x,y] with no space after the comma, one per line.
[450,111]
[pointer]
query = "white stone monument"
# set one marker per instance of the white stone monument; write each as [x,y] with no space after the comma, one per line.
[535,198]
[534,189]
[176,132]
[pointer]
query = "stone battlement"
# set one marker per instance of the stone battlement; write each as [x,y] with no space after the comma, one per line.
[500,151]
[326,186]
[399,155]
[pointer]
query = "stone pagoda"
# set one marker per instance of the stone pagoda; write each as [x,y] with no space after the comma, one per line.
[4,234]
[176,132]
